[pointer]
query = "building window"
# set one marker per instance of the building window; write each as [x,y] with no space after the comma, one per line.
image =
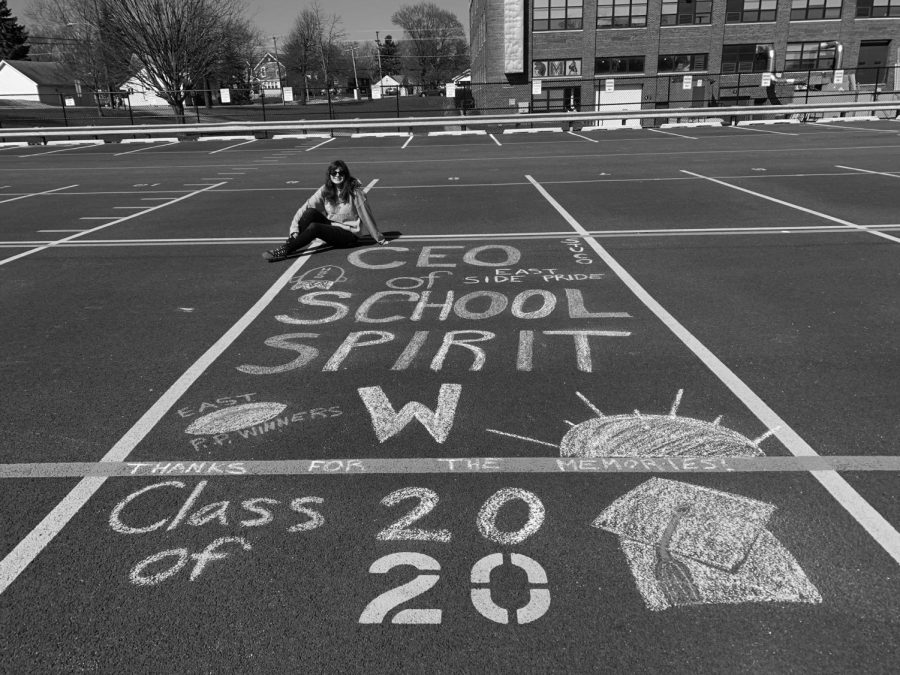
[618,65]
[684,12]
[811,10]
[809,56]
[877,8]
[557,99]
[621,13]
[556,68]
[676,63]
[557,15]
[745,58]
[749,11]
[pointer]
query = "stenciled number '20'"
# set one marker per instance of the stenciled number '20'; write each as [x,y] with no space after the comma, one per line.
[539,601]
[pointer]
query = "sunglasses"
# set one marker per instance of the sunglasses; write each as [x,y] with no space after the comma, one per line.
[337,172]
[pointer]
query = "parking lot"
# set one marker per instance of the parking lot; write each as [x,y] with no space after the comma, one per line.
[608,400]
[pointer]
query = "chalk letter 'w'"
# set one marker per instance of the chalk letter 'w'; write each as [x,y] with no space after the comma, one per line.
[387,422]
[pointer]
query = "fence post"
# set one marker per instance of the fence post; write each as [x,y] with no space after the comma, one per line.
[196,107]
[330,109]
[130,113]
[262,98]
[398,101]
[62,102]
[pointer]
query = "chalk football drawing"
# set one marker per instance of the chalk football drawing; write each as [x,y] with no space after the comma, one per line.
[234,418]
[690,545]
[319,277]
[640,435]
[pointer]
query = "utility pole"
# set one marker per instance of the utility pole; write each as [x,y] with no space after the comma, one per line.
[352,47]
[278,67]
[378,42]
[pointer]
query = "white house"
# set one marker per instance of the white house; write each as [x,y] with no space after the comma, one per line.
[42,82]
[141,94]
[386,86]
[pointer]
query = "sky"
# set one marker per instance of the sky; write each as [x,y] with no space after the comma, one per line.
[361,18]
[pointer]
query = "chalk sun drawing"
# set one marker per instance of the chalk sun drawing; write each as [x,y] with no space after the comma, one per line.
[640,435]
[234,418]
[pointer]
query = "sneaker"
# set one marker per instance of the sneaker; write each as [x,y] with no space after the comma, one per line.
[283,251]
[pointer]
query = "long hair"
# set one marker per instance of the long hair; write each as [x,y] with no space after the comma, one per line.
[332,192]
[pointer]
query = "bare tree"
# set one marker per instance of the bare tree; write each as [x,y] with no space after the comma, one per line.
[436,39]
[178,42]
[79,36]
[313,47]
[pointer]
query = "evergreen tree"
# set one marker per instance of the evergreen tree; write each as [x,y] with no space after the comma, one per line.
[13,36]
[390,60]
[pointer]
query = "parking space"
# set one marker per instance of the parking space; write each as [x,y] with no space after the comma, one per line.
[472,433]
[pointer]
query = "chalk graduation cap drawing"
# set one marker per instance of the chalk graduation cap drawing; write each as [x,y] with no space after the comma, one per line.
[691,545]
[685,544]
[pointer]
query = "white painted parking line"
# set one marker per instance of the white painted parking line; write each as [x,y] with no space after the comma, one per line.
[877,173]
[407,141]
[874,131]
[762,131]
[236,145]
[438,465]
[319,145]
[50,152]
[4,261]
[27,550]
[149,146]
[592,140]
[871,520]
[861,228]
[494,138]
[672,133]
[36,194]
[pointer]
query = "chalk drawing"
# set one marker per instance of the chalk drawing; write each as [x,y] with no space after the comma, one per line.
[689,545]
[139,577]
[487,516]
[234,418]
[222,513]
[319,277]
[641,435]
[387,422]
[507,256]
[401,530]
[409,283]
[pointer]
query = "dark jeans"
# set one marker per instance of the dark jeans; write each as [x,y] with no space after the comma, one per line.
[314,225]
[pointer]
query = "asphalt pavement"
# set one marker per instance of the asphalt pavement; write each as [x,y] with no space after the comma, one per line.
[607,401]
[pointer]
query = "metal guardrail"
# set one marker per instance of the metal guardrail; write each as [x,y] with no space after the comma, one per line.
[111,133]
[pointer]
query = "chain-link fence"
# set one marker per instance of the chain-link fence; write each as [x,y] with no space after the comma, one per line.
[206,106]
[686,90]
[598,94]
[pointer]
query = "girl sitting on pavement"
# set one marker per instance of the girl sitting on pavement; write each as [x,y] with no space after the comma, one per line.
[333,214]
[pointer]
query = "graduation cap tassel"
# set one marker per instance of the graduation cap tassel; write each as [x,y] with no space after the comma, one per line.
[673,576]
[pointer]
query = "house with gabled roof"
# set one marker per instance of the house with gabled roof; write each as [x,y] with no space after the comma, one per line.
[47,82]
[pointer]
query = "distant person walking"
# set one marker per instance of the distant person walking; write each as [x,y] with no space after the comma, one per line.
[333,214]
